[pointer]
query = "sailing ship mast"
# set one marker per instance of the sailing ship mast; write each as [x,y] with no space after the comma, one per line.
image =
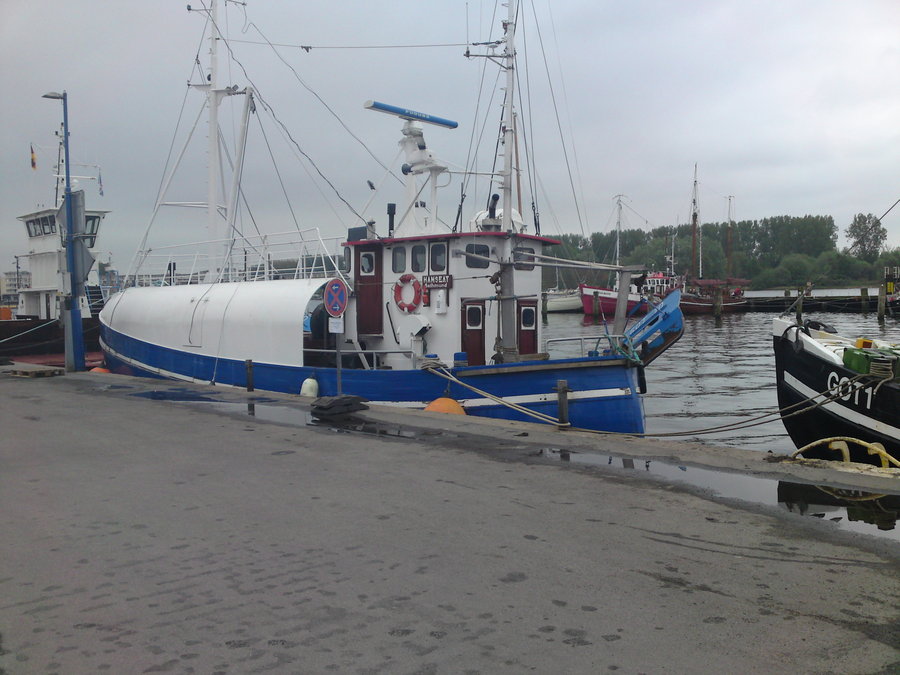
[696,241]
[728,240]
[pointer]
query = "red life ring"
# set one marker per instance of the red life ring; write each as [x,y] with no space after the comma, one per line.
[417,293]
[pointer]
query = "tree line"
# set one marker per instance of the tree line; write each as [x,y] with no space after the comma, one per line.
[777,252]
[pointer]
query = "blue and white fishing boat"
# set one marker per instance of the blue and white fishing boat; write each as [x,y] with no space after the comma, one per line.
[416,312]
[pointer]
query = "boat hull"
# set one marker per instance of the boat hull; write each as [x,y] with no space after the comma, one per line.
[564,302]
[691,304]
[862,410]
[606,299]
[605,391]
[22,337]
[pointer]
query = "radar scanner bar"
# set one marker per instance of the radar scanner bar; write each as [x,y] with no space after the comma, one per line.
[407,114]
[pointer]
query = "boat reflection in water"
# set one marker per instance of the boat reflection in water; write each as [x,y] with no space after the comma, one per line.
[822,501]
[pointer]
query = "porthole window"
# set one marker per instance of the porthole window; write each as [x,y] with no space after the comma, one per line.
[477,249]
[528,318]
[474,316]
[398,259]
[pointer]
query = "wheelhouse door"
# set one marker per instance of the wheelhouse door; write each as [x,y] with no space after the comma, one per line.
[473,331]
[367,285]
[527,328]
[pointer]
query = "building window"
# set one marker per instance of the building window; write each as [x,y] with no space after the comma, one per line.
[524,258]
[439,257]
[398,259]
[477,249]
[418,258]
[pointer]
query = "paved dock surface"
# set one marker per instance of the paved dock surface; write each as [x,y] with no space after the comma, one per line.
[145,536]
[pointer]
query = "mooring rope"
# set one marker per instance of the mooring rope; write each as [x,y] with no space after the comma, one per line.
[443,373]
[18,335]
[438,368]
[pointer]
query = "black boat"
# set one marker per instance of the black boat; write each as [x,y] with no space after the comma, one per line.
[834,391]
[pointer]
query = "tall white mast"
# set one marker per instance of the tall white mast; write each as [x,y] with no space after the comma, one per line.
[214,223]
[509,62]
[618,225]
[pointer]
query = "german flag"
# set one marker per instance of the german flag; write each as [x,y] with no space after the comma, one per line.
[33,159]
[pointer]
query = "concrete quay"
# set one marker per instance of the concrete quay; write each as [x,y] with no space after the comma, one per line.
[146,536]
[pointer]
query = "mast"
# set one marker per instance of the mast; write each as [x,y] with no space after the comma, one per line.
[696,269]
[728,240]
[509,63]
[618,225]
[214,223]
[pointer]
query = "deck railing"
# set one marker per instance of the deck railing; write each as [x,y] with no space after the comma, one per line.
[303,254]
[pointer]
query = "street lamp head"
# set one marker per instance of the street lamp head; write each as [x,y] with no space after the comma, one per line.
[53,94]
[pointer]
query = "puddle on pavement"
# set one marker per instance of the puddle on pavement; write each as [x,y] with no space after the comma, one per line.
[853,511]
[302,418]
[850,510]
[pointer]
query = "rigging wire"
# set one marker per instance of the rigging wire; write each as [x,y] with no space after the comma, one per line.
[309,48]
[268,107]
[559,128]
[319,98]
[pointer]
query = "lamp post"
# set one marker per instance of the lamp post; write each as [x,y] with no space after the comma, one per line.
[74,333]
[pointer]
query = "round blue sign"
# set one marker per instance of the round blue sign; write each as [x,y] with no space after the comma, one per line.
[336,296]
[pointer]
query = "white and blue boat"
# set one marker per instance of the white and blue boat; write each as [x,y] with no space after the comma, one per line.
[401,317]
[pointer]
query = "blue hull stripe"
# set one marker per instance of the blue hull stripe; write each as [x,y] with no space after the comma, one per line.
[604,397]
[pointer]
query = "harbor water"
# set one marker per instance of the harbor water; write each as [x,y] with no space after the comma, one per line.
[721,373]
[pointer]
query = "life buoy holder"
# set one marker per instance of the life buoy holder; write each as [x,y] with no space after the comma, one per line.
[398,293]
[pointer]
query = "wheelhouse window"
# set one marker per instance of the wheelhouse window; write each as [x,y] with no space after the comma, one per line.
[439,257]
[398,259]
[524,258]
[477,249]
[47,225]
[367,263]
[474,316]
[91,225]
[418,258]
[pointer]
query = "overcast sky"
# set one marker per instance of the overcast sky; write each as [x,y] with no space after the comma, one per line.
[791,107]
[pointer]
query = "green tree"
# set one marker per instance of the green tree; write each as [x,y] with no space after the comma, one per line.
[779,236]
[867,236]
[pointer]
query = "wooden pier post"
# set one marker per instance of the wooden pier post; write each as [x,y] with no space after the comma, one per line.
[248,365]
[562,396]
[718,301]
[882,302]
[799,307]
[864,300]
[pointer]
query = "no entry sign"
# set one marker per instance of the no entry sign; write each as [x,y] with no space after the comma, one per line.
[336,296]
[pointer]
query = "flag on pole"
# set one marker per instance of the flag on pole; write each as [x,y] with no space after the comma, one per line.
[33,159]
[100,181]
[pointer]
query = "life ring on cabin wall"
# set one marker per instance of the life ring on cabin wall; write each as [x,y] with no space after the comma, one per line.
[417,293]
